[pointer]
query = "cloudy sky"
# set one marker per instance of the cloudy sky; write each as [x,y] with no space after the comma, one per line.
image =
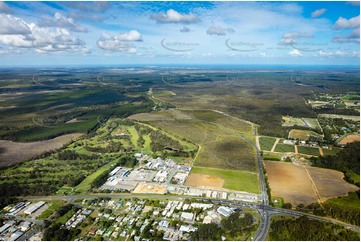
[93,33]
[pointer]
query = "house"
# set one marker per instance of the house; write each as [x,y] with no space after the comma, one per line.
[187,217]
[25,226]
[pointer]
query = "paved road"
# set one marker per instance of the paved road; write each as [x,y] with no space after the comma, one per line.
[20,218]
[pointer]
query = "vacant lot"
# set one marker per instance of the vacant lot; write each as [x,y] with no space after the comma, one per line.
[349,139]
[291,121]
[308,150]
[150,188]
[13,152]
[148,117]
[215,133]
[233,179]
[303,134]
[200,180]
[294,185]
[266,143]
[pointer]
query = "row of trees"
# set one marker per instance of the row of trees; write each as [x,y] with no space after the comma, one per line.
[72,155]
[309,230]
[342,210]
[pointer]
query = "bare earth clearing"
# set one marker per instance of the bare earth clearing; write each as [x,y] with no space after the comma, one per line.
[13,152]
[298,184]
[200,180]
[150,188]
[349,139]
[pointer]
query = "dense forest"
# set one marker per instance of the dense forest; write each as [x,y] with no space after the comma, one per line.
[231,228]
[309,230]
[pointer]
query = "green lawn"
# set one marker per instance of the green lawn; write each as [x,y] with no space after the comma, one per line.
[266,143]
[233,179]
[308,150]
[271,156]
[351,201]
[63,219]
[84,186]
[331,152]
[284,148]
[53,206]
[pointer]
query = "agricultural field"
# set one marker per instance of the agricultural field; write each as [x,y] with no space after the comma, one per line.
[303,135]
[283,148]
[14,152]
[293,183]
[266,143]
[308,150]
[222,178]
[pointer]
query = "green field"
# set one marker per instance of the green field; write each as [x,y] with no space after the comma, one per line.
[84,186]
[271,156]
[233,179]
[331,152]
[284,148]
[53,206]
[266,143]
[308,150]
[312,123]
[351,201]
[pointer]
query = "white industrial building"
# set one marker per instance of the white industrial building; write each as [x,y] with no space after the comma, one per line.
[34,207]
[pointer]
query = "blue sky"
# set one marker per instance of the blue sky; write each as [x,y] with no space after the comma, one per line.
[101,33]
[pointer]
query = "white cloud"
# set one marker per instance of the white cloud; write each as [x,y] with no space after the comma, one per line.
[172,16]
[354,37]
[132,35]
[218,30]
[185,29]
[4,8]
[336,53]
[295,53]
[10,25]
[123,42]
[343,23]
[318,12]
[59,21]
[290,38]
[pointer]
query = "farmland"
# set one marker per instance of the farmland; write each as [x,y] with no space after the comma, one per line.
[308,150]
[294,185]
[266,143]
[284,148]
[14,152]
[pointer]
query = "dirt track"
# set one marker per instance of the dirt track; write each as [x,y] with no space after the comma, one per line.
[14,152]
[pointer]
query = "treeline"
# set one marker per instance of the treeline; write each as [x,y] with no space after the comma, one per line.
[72,155]
[57,232]
[232,227]
[160,141]
[347,159]
[341,210]
[112,147]
[15,188]
[303,229]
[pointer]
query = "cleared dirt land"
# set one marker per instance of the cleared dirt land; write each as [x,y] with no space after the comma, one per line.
[150,188]
[349,139]
[293,183]
[200,180]
[302,134]
[13,152]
